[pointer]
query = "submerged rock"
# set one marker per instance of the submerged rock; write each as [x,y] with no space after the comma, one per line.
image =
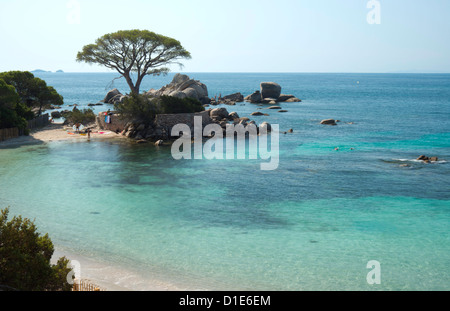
[257,113]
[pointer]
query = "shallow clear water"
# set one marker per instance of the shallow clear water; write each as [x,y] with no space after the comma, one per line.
[312,224]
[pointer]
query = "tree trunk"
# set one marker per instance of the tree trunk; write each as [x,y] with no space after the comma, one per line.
[133,88]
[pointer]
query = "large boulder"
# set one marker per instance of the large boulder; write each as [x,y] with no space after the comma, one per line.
[236,97]
[182,86]
[270,90]
[254,98]
[111,94]
[179,78]
[219,113]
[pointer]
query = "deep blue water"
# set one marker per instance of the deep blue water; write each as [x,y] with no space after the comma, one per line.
[311,224]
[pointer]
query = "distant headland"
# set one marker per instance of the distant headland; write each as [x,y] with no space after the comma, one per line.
[40,70]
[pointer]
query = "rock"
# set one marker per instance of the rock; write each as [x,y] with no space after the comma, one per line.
[270,90]
[434,159]
[159,143]
[233,115]
[274,107]
[293,100]
[243,122]
[288,98]
[265,126]
[191,92]
[180,78]
[238,121]
[219,113]
[141,141]
[199,89]
[91,105]
[110,95]
[423,158]
[236,97]
[328,122]
[254,98]
[178,94]
[284,97]
[257,113]
[117,99]
[282,111]
[182,86]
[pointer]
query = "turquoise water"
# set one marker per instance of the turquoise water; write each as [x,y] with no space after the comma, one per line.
[312,224]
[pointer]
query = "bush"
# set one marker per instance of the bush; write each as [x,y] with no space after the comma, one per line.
[169,105]
[143,109]
[84,116]
[137,108]
[25,258]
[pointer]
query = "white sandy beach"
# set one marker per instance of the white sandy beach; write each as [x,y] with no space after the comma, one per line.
[59,132]
[108,277]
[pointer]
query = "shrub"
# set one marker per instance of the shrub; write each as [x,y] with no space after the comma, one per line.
[143,109]
[169,105]
[25,258]
[84,116]
[137,108]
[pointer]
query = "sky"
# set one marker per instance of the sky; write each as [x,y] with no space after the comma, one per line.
[237,36]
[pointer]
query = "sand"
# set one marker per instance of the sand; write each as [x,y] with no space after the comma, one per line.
[108,277]
[59,132]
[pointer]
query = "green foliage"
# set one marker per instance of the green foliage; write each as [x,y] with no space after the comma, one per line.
[84,116]
[143,109]
[32,91]
[13,113]
[137,108]
[140,51]
[169,105]
[25,258]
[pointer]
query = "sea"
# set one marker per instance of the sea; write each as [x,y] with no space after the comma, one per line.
[348,207]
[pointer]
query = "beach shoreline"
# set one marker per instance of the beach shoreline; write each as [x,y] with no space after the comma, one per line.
[59,132]
[109,277]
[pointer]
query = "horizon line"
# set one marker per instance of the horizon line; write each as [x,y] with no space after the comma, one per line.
[263,72]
